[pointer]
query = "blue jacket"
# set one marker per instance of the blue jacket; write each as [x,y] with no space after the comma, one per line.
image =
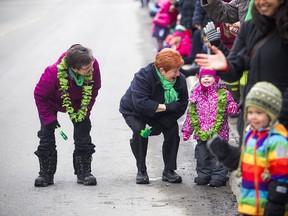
[145,94]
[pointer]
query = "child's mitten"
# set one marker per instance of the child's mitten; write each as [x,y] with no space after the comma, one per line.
[186,135]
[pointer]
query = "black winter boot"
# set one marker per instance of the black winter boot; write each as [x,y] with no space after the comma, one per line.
[47,170]
[82,167]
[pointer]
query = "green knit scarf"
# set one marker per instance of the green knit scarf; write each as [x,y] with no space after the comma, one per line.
[79,79]
[170,94]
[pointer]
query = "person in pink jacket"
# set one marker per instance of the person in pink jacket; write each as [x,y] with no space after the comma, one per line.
[69,85]
[163,20]
[181,42]
[210,104]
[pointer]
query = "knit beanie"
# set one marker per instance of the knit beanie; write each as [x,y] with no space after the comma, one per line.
[209,72]
[267,97]
[180,28]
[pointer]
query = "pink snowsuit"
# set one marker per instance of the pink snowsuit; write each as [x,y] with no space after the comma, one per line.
[163,17]
[206,107]
[185,45]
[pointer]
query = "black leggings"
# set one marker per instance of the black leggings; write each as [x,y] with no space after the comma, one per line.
[139,144]
[82,139]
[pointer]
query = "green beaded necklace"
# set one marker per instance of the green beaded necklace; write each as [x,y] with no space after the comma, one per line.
[221,107]
[86,93]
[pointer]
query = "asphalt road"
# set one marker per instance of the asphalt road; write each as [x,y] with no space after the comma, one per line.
[33,34]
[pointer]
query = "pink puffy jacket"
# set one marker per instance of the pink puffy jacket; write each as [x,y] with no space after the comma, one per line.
[206,106]
[185,46]
[163,17]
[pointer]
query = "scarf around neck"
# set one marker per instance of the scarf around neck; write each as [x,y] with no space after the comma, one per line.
[79,79]
[170,94]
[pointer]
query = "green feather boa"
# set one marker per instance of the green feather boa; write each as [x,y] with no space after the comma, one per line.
[86,93]
[221,107]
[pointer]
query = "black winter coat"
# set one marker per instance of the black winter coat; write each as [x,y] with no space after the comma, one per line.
[269,63]
[145,94]
[186,9]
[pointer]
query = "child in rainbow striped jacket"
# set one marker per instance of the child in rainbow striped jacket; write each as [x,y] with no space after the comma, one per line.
[263,161]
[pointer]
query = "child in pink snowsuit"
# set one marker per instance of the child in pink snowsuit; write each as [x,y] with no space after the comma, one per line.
[163,20]
[180,41]
[210,104]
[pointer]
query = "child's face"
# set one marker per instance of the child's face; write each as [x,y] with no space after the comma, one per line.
[257,118]
[207,80]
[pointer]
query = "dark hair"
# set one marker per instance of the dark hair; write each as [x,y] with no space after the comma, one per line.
[265,24]
[78,56]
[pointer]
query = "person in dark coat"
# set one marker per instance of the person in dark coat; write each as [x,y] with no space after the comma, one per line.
[186,10]
[70,85]
[157,97]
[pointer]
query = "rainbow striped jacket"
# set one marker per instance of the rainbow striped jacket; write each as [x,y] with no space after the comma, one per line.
[260,150]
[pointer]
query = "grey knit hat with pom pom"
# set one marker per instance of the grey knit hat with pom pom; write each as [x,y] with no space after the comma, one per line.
[267,97]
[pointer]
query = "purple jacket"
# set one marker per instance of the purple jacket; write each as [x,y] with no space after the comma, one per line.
[206,107]
[48,96]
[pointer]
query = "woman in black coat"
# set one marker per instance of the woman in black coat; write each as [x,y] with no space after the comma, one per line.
[157,97]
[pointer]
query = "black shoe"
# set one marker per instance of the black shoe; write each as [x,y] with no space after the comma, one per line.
[86,179]
[142,177]
[201,181]
[216,183]
[171,176]
[44,180]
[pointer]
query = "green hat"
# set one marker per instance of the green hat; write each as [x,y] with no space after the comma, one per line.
[267,97]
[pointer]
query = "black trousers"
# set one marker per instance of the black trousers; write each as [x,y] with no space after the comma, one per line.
[139,144]
[82,139]
[207,166]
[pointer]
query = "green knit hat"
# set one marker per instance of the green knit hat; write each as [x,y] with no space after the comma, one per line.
[267,97]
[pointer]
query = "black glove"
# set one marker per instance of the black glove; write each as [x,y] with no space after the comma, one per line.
[277,199]
[156,129]
[213,35]
[174,106]
[218,147]
[226,154]
[52,125]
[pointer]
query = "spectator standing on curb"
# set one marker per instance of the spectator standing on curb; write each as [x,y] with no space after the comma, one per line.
[261,46]
[214,37]
[157,97]
[209,107]
[164,19]
[69,85]
[186,10]
[264,162]
[200,19]
[179,41]
[226,12]
[144,3]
